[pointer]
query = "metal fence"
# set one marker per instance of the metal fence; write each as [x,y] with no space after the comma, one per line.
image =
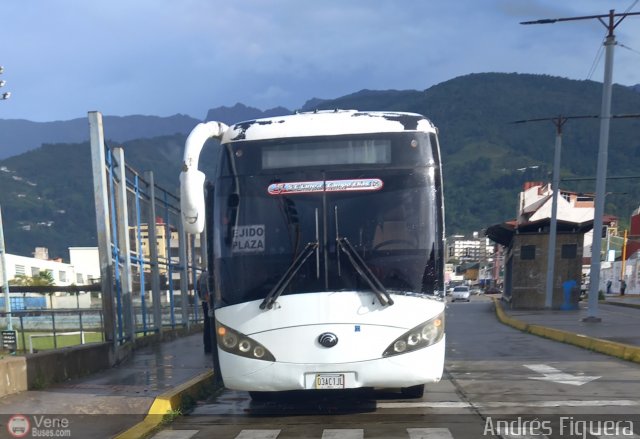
[44,329]
[149,265]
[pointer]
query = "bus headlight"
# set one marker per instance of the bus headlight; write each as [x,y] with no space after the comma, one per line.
[232,341]
[419,337]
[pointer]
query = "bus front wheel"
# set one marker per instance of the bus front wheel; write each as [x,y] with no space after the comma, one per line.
[261,396]
[413,391]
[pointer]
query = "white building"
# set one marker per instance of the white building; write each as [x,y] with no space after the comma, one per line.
[86,272]
[86,261]
[536,200]
[461,248]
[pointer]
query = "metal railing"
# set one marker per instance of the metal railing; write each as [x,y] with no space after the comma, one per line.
[45,329]
[149,265]
[54,328]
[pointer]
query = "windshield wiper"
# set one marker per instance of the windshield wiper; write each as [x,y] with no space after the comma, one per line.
[363,270]
[286,278]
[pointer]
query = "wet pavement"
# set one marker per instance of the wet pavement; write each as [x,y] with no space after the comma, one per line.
[107,403]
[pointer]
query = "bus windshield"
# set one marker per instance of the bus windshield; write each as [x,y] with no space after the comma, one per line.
[378,195]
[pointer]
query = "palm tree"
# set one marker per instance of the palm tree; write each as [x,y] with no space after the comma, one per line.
[43,278]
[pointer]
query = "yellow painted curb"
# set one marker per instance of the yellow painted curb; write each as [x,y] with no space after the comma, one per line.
[580,340]
[167,403]
[612,348]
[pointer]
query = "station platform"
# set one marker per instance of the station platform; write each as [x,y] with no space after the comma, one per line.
[136,393]
[615,330]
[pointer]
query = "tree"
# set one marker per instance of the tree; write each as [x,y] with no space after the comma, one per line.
[43,278]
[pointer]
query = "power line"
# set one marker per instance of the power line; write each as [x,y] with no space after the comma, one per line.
[596,61]
[631,7]
[610,26]
[628,48]
[618,177]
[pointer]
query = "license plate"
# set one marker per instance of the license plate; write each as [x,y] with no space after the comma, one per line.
[330,381]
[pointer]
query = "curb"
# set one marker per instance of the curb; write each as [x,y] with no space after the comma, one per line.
[612,348]
[626,305]
[166,403]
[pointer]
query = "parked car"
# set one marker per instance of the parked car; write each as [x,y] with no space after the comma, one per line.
[461,293]
[476,291]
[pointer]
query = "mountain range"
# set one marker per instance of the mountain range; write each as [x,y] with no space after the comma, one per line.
[18,136]
[45,171]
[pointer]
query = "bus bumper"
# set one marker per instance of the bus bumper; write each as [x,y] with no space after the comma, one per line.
[419,367]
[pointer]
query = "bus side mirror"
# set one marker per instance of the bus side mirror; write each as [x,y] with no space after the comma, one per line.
[192,200]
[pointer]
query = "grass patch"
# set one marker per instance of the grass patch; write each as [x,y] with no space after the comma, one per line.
[44,341]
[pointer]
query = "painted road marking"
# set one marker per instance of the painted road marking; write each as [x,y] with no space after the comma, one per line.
[557,376]
[429,433]
[258,434]
[498,404]
[343,433]
[515,435]
[175,434]
[414,433]
[213,409]
[620,435]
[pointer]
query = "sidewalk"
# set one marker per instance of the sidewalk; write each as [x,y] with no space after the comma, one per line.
[151,382]
[617,334]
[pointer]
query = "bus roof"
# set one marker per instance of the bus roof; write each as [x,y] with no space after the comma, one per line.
[327,123]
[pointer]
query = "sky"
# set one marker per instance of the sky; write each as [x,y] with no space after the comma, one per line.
[63,58]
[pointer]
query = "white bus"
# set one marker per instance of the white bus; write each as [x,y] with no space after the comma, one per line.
[326,231]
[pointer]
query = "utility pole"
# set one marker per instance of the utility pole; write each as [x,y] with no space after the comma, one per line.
[558,121]
[605,116]
[5,281]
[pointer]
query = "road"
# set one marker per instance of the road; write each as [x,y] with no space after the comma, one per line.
[498,382]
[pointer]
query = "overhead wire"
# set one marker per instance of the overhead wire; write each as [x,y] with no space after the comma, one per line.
[631,7]
[628,48]
[600,52]
[596,60]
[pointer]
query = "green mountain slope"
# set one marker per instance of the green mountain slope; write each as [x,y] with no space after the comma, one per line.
[482,150]
[46,194]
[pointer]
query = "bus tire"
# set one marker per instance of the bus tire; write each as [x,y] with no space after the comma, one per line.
[261,396]
[413,391]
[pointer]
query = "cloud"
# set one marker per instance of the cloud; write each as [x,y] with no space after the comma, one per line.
[165,57]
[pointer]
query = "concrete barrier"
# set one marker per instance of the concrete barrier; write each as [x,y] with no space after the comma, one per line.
[14,373]
[614,349]
[48,367]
